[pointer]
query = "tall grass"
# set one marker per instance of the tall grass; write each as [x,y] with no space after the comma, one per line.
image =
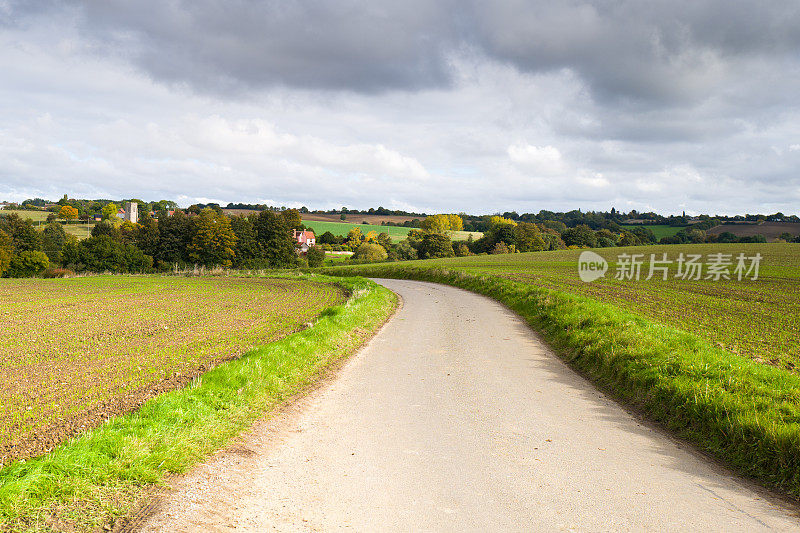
[745,413]
[98,476]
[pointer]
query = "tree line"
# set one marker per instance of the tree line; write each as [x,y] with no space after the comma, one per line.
[209,238]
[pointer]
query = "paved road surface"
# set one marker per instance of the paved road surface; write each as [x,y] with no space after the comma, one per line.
[457,418]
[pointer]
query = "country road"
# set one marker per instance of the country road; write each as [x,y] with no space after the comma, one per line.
[456,417]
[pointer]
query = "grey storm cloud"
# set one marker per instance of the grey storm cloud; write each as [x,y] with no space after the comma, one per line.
[539,104]
[661,52]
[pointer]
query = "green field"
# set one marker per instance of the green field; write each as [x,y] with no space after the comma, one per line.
[342,228]
[77,351]
[397,233]
[755,319]
[715,361]
[36,216]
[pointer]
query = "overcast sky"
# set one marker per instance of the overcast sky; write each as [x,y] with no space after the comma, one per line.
[474,106]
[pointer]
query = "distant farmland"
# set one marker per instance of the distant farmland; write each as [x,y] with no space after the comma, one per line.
[77,351]
[342,228]
[770,230]
[79,229]
[395,232]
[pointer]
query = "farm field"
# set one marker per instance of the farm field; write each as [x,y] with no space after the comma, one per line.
[659,230]
[342,228]
[755,319]
[395,232]
[36,216]
[77,351]
[770,230]
[39,217]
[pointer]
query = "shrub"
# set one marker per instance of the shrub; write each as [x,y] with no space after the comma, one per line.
[58,273]
[370,252]
[315,256]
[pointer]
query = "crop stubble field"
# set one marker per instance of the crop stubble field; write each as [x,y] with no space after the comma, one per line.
[752,318]
[77,351]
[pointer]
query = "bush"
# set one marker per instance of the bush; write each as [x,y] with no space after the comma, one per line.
[315,256]
[28,264]
[370,252]
[58,273]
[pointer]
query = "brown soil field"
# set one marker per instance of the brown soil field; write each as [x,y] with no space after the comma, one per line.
[770,230]
[77,351]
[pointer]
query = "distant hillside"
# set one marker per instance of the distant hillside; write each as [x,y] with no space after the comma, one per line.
[770,230]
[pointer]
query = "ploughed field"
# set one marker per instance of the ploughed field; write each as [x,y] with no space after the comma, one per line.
[752,318]
[75,351]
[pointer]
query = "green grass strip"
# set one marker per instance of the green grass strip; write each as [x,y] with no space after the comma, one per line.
[98,476]
[743,412]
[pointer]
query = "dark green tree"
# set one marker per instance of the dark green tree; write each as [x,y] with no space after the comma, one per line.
[581,235]
[174,235]
[435,245]
[315,256]
[248,253]
[275,240]
[53,239]
[328,238]
[292,219]
[147,236]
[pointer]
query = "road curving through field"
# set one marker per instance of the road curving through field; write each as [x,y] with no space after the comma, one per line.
[456,417]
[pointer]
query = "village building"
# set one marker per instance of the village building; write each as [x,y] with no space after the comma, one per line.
[130,213]
[305,239]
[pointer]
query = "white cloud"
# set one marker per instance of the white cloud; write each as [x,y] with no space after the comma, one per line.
[544,160]
[594,180]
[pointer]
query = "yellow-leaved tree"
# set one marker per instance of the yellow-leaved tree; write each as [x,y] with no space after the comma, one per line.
[67,212]
[214,242]
[442,223]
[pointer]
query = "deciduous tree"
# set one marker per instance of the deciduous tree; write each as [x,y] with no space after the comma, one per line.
[68,213]
[275,240]
[213,241]
[315,256]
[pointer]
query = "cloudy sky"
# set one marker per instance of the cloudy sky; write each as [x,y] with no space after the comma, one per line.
[462,105]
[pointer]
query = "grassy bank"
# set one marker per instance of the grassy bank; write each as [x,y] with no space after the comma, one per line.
[745,413]
[98,476]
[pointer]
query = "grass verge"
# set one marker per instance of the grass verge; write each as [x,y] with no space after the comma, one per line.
[97,477]
[745,413]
